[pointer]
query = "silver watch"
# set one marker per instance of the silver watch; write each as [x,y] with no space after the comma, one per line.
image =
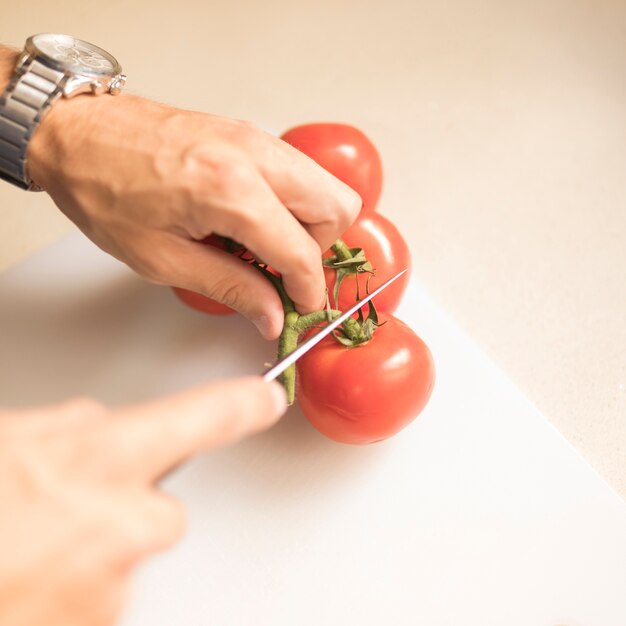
[49,67]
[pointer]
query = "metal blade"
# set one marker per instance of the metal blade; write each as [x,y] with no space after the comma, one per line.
[313,340]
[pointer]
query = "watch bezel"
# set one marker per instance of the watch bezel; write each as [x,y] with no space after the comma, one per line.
[31,48]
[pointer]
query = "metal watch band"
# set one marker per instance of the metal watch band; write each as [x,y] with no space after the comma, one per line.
[22,106]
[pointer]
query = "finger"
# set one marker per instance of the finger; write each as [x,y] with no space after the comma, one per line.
[254,216]
[321,202]
[147,440]
[141,523]
[222,277]
[95,597]
[42,420]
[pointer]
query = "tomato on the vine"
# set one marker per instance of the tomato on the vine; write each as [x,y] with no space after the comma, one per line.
[346,153]
[196,300]
[201,303]
[387,253]
[366,393]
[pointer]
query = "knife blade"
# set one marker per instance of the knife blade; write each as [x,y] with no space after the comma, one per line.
[278,368]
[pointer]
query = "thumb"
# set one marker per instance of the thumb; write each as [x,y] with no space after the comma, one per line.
[226,278]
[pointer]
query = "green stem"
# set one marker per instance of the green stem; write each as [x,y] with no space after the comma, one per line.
[341,250]
[287,343]
[295,324]
[313,319]
[353,330]
[351,327]
[287,302]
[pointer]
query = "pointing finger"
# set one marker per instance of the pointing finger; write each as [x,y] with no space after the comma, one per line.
[148,440]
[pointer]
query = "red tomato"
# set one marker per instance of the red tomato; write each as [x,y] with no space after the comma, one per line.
[196,300]
[201,303]
[367,393]
[346,153]
[387,252]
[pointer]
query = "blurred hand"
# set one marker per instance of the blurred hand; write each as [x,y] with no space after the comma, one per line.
[79,504]
[146,182]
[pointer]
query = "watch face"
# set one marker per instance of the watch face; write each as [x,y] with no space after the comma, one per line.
[75,55]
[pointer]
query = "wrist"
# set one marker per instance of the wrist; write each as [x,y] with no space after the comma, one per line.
[8,61]
[52,69]
[64,124]
[80,138]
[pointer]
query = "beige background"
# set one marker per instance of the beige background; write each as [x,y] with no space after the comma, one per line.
[502,127]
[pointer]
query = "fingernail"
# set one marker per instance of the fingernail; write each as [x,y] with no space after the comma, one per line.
[264,326]
[279,397]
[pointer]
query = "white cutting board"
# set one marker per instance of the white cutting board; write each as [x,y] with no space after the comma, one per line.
[478,514]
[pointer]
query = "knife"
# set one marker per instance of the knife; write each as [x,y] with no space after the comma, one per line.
[313,340]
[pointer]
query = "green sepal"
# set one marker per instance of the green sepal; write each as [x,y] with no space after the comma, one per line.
[372,313]
[328,309]
[367,332]
[357,258]
[340,274]
[342,339]
[366,325]
[356,264]
[369,327]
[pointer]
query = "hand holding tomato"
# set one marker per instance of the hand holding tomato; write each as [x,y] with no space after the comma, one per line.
[374,388]
[147,182]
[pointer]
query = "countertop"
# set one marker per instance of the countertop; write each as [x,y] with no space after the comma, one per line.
[502,128]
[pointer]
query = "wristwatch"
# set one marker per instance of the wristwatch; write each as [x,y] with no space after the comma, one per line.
[50,66]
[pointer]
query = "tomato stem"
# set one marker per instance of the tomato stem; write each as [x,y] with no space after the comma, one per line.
[295,324]
[287,302]
[287,343]
[305,322]
[341,250]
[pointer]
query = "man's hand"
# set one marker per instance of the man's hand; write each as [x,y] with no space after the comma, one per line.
[146,182]
[78,502]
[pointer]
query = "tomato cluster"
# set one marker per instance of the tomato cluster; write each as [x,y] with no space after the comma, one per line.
[364,393]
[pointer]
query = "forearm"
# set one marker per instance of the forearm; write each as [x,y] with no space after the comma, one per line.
[8,58]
